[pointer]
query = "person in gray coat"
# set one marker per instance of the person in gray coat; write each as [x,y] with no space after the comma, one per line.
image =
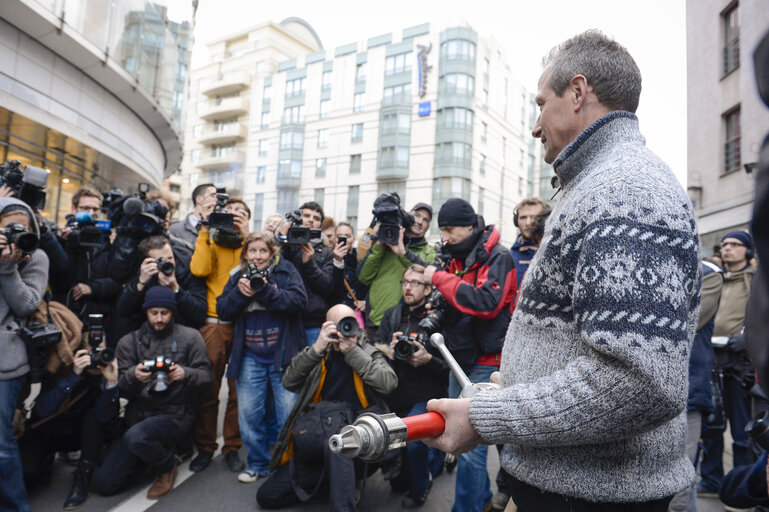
[187,229]
[23,278]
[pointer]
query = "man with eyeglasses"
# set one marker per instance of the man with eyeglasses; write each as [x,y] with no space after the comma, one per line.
[421,376]
[731,362]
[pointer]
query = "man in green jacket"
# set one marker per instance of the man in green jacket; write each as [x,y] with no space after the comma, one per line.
[384,266]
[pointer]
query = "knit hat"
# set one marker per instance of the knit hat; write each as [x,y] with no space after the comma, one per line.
[423,206]
[742,236]
[457,212]
[159,297]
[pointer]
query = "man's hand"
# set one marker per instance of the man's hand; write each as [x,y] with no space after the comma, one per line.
[394,340]
[5,191]
[169,281]
[141,373]
[459,436]
[346,344]
[496,378]
[81,362]
[244,286]
[428,275]
[321,344]
[420,356]
[81,290]
[240,222]
[148,269]
[360,305]
[400,248]
[340,251]
[65,232]
[110,373]
[375,232]
[307,252]
[176,372]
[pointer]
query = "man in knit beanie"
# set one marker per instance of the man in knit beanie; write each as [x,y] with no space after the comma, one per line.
[592,410]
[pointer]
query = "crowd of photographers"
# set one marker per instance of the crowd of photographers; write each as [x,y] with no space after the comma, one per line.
[309,328]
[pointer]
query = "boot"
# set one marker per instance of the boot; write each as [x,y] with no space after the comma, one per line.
[81,483]
[164,483]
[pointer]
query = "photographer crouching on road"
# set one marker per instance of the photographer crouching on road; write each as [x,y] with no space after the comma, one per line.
[263,297]
[163,367]
[23,278]
[594,369]
[422,375]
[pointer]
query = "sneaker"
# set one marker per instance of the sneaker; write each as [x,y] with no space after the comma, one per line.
[450,462]
[232,459]
[201,462]
[249,476]
[499,501]
[163,484]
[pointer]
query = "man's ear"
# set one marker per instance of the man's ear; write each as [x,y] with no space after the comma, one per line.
[579,89]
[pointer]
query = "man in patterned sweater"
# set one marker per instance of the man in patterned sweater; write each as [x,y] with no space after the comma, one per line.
[594,368]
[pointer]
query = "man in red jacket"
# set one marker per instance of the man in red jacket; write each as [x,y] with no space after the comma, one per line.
[479,284]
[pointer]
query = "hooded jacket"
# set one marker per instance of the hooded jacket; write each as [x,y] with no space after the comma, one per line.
[482,289]
[22,285]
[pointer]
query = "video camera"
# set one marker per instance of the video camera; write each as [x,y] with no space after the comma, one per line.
[221,218]
[159,368]
[136,217]
[388,212]
[86,231]
[257,276]
[27,185]
[18,235]
[298,234]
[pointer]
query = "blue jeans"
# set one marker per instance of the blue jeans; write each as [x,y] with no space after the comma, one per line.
[254,384]
[311,335]
[13,494]
[737,408]
[473,487]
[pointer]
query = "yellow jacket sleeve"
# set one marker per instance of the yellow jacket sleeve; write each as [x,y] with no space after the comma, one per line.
[204,258]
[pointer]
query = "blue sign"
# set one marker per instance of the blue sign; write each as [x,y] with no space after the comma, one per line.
[424,109]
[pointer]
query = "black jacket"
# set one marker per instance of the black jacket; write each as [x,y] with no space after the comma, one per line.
[318,277]
[414,384]
[184,346]
[349,273]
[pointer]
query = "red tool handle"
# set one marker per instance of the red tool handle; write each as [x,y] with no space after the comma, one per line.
[429,424]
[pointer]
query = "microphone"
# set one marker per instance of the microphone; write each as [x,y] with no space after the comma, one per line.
[133,205]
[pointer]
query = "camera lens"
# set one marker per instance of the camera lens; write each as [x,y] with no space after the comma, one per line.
[102,356]
[165,266]
[26,242]
[403,349]
[159,382]
[348,326]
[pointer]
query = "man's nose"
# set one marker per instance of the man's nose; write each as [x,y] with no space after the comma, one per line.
[536,132]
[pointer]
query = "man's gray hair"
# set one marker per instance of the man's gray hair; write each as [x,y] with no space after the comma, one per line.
[606,64]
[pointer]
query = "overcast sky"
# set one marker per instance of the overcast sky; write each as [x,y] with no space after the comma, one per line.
[654,31]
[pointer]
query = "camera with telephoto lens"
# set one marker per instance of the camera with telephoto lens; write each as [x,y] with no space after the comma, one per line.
[388,212]
[258,276]
[28,185]
[406,345]
[434,320]
[221,218]
[86,231]
[159,367]
[347,326]
[38,338]
[136,217]
[18,235]
[298,234]
[100,356]
[165,266]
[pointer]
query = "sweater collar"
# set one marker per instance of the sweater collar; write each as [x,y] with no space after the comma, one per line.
[579,153]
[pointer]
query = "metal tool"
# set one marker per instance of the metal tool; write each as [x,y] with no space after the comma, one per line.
[468,388]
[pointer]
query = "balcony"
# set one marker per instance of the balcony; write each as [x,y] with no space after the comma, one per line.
[230,158]
[227,84]
[223,108]
[234,132]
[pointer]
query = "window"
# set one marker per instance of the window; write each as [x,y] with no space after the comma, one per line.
[263,147]
[258,210]
[195,155]
[456,153]
[260,172]
[481,193]
[221,151]
[397,93]
[460,118]
[520,185]
[295,87]
[483,165]
[458,49]
[357,132]
[320,168]
[291,140]
[357,105]
[352,203]
[325,108]
[388,187]
[394,156]
[400,63]
[326,80]
[319,195]
[197,130]
[265,120]
[396,123]
[355,161]
[360,72]
[458,83]
[323,138]
[484,132]
[224,124]
[290,169]
[446,188]
[288,199]
[402,156]
[267,92]
[732,158]
[731,23]
[178,99]
[293,114]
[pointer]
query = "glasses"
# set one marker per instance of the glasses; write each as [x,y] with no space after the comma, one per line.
[411,284]
[731,244]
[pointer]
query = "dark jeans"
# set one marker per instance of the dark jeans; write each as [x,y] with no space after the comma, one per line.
[530,499]
[149,443]
[13,494]
[737,408]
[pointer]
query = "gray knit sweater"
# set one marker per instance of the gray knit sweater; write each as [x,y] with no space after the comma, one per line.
[595,362]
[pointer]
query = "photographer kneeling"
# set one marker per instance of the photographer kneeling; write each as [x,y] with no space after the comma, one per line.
[23,278]
[163,366]
[339,375]
[263,297]
[422,375]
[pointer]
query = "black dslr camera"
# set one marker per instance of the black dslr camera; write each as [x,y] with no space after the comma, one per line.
[298,234]
[406,345]
[257,276]
[434,321]
[27,185]
[165,266]
[159,367]
[388,212]
[39,338]
[221,218]
[100,356]
[17,234]
[347,326]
